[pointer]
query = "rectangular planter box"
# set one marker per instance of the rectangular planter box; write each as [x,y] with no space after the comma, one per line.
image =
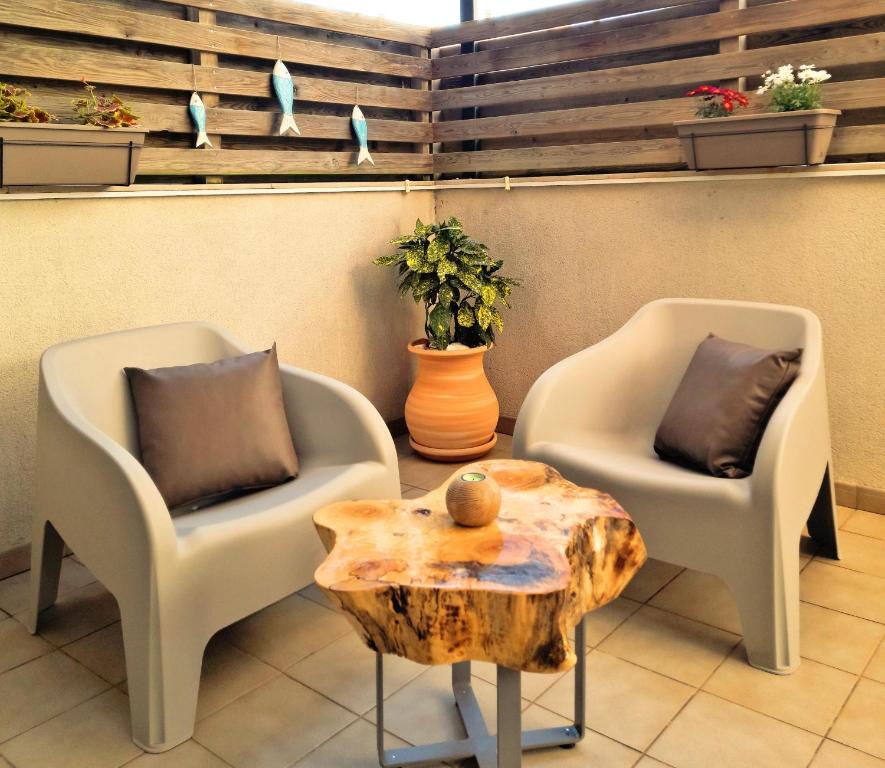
[81,155]
[759,140]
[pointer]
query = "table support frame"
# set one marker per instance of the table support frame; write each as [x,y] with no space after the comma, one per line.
[503,750]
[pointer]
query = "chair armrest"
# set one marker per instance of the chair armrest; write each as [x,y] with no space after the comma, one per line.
[97,495]
[332,423]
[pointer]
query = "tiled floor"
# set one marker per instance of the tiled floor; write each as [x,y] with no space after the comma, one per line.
[293,686]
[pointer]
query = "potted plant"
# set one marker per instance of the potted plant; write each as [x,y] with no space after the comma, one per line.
[35,151]
[451,410]
[795,131]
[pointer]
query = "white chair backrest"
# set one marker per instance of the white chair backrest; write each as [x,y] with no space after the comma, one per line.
[87,374]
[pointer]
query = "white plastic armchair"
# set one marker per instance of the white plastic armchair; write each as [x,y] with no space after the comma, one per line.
[180,579]
[594,416]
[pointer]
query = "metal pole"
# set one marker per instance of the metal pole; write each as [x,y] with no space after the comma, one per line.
[468,13]
[509,718]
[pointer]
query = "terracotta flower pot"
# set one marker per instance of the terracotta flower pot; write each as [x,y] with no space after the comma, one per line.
[80,155]
[451,411]
[758,140]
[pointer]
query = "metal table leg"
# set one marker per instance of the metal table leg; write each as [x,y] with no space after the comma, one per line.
[501,751]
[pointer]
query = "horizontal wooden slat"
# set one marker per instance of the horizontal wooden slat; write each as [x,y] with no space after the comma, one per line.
[790,14]
[858,94]
[615,154]
[306,15]
[858,140]
[532,21]
[837,52]
[156,161]
[244,122]
[85,18]
[68,64]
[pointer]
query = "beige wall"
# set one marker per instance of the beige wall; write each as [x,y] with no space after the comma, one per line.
[591,256]
[290,268]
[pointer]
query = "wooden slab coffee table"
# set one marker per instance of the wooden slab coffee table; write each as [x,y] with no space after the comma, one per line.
[415,584]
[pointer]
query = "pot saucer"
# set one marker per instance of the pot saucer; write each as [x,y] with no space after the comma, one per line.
[454,454]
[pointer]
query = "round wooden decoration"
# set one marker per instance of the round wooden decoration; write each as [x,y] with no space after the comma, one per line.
[473,499]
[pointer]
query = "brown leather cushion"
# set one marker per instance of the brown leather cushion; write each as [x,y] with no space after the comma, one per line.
[716,419]
[212,430]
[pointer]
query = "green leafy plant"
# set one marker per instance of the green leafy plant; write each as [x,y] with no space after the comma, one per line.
[792,91]
[457,281]
[14,107]
[105,111]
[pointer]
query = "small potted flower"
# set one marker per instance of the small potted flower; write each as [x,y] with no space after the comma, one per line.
[795,131]
[103,150]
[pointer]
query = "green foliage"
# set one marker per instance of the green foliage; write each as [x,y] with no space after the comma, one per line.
[14,107]
[103,111]
[456,279]
[790,97]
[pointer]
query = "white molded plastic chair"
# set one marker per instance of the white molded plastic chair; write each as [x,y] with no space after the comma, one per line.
[179,580]
[594,415]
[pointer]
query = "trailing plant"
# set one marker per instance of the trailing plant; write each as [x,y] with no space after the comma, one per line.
[717,102]
[105,111]
[792,91]
[14,107]
[456,279]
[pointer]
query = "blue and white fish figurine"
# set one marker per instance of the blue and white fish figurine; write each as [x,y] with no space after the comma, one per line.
[198,115]
[285,91]
[362,134]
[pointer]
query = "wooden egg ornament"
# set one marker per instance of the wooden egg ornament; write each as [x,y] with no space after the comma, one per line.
[473,499]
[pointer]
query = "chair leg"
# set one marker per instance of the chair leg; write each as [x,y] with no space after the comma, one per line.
[822,523]
[163,669]
[768,602]
[47,551]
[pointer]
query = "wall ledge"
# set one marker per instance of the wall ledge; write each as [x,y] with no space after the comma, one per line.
[406,186]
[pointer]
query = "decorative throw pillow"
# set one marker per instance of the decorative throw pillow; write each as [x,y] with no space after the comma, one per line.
[716,419]
[212,430]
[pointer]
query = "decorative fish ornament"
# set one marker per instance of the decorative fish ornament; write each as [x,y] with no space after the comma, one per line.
[362,134]
[198,115]
[285,91]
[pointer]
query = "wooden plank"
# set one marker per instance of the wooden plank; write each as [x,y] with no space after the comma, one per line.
[532,21]
[615,154]
[837,52]
[858,94]
[732,44]
[790,14]
[68,64]
[858,140]
[157,161]
[117,23]
[305,15]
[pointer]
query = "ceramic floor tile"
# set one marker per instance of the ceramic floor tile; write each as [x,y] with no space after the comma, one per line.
[313,592]
[866,524]
[414,493]
[843,514]
[102,653]
[603,621]
[860,553]
[876,668]
[650,762]
[77,614]
[187,755]
[842,590]
[702,597]
[809,698]
[624,702]
[18,646]
[345,672]
[861,724]
[95,734]
[41,689]
[15,592]
[593,750]
[714,732]
[354,747]
[287,631]
[823,635]
[834,755]
[420,473]
[654,575]
[423,711]
[273,726]
[672,645]
[533,684]
[227,674]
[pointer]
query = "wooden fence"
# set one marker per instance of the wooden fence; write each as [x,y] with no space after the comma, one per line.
[592,85]
[596,85]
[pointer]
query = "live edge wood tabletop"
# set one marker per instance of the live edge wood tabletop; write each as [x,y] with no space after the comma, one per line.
[417,585]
